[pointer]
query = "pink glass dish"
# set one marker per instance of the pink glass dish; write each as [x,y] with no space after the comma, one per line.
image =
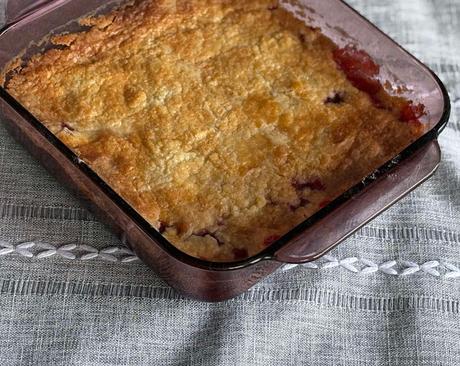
[29,21]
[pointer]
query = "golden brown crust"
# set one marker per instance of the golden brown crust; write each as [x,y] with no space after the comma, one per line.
[211,120]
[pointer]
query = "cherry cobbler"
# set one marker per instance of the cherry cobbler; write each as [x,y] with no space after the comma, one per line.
[223,123]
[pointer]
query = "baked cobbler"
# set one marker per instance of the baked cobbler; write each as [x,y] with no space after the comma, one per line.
[223,123]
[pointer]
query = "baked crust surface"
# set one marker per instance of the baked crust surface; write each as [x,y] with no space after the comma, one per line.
[224,123]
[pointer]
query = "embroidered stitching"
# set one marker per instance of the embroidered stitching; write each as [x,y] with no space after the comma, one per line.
[72,251]
[84,252]
[392,268]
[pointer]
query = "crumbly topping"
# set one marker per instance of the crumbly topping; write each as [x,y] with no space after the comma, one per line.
[224,123]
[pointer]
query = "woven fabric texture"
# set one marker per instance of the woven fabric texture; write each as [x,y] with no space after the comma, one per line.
[390,295]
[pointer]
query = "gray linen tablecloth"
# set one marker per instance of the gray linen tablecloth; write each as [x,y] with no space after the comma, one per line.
[388,296]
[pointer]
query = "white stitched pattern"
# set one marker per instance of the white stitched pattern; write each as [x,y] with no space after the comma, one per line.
[392,268]
[311,265]
[84,252]
[454,271]
[72,251]
[370,266]
[387,268]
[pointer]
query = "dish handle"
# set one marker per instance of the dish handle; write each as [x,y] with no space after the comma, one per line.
[365,206]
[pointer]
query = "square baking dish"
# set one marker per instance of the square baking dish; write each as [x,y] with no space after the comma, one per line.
[29,22]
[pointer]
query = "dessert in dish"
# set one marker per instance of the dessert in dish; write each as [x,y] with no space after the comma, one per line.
[223,123]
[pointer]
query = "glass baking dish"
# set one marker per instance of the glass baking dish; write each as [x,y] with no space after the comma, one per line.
[29,21]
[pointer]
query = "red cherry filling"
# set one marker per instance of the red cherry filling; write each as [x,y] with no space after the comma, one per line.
[302,203]
[271,239]
[314,185]
[351,59]
[359,67]
[335,98]
[205,232]
[162,227]
[240,253]
[324,203]
[362,72]
[364,83]
[411,112]
[302,38]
